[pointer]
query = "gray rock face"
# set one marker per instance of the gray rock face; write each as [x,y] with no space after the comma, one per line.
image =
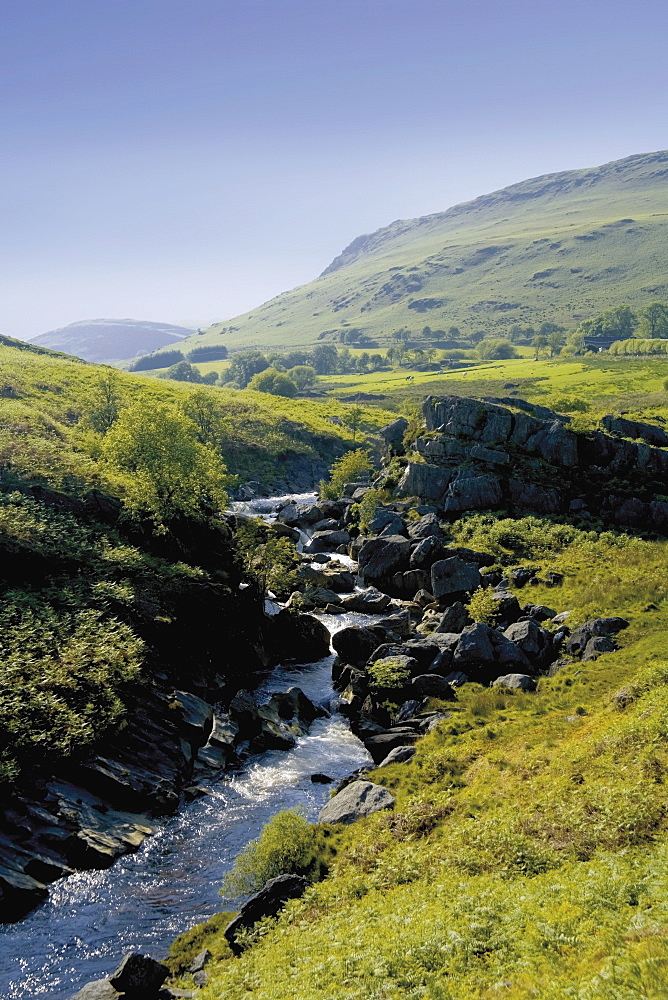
[454,619]
[382,518]
[597,628]
[266,903]
[516,682]
[359,799]
[534,641]
[426,481]
[139,975]
[300,515]
[474,645]
[393,434]
[636,429]
[326,541]
[413,581]
[100,989]
[196,715]
[427,527]
[355,644]
[451,577]
[468,491]
[381,558]
[432,686]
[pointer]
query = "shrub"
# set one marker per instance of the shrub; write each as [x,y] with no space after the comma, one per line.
[366,508]
[482,607]
[346,469]
[274,382]
[565,404]
[495,349]
[286,846]
[388,672]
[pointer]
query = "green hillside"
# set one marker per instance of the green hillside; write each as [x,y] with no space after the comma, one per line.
[560,248]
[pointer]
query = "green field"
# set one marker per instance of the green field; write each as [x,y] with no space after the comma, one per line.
[557,248]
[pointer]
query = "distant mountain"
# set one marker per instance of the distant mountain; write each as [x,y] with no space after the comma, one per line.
[561,247]
[112,339]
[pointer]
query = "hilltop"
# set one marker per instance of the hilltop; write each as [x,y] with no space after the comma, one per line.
[112,339]
[556,248]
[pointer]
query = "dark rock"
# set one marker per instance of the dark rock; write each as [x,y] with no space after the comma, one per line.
[380,745]
[300,515]
[468,491]
[355,644]
[432,686]
[100,989]
[429,482]
[295,637]
[468,555]
[516,682]
[454,619]
[414,581]
[138,975]
[599,644]
[521,575]
[356,800]
[393,435]
[199,961]
[456,679]
[321,779]
[534,641]
[423,598]
[408,710]
[428,551]
[196,716]
[453,577]
[539,612]
[381,558]
[599,628]
[427,527]
[508,606]
[326,541]
[636,429]
[383,517]
[534,498]
[265,903]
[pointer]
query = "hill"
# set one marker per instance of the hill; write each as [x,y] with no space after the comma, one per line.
[558,248]
[112,339]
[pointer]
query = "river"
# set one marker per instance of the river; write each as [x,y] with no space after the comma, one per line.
[171,883]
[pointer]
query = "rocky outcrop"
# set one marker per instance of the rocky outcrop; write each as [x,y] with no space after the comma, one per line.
[138,977]
[479,454]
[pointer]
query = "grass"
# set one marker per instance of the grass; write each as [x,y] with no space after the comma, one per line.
[527,854]
[558,249]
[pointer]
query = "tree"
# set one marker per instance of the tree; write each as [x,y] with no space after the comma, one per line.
[654,320]
[325,359]
[352,419]
[495,349]
[163,470]
[274,382]
[345,470]
[304,376]
[555,340]
[243,366]
[206,416]
[104,402]
[539,344]
[182,371]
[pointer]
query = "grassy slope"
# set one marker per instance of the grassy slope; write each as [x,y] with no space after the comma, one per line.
[570,225]
[526,856]
[43,395]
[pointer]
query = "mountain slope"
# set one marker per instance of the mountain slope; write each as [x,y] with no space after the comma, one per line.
[559,247]
[112,339]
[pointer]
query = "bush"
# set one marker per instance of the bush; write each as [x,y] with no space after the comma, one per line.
[482,607]
[388,672]
[567,405]
[163,360]
[274,382]
[286,846]
[495,349]
[346,469]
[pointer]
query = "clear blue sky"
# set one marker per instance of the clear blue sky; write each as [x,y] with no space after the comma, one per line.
[184,160]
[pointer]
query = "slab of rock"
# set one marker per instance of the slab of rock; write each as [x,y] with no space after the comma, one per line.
[432,686]
[300,515]
[369,601]
[429,482]
[454,619]
[380,558]
[400,755]
[355,644]
[100,989]
[359,799]
[196,716]
[427,527]
[427,551]
[326,541]
[265,903]
[534,641]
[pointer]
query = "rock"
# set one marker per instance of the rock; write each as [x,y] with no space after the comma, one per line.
[429,482]
[386,522]
[599,644]
[321,779]
[508,607]
[474,645]
[516,682]
[406,665]
[300,515]
[414,581]
[521,575]
[432,686]
[534,641]
[409,710]
[468,491]
[355,644]
[196,716]
[423,598]
[534,498]
[561,618]
[293,704]
[369,601]
[380,744]
[456,679]
[393,435]
[100,989]
[428,551]
[539,612]
[427,527]
[454,619]
[381,558]
[420,657]
[326,541]
[468,555]
[295,637]
[243,712]
[450,577]
[636,429]
[400,755]
[598,627]
[265,903]
[359,799]
[199,961]
[224,731]
[139,975]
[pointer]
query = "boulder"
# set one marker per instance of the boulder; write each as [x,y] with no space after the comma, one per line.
[598,627]
[400,755]
[456,678]
[138,975]
[429,482]
[300,515]
[196,716]
[454,619]
[383,517]
[355,644]
[100,989]
[393,435]
[369,602]
[599,644]
[427,527]
[474,645]
[381,558]
[380,744]
[432,686]
[508,607]
[265,903]
[451,578]
[422,656]
[199,961]
[516,682]
[428,551]
[468,491]
[534,641]
[539,612]
[326,541]
[295,637]
[359,799]
[521,575]
[414,581]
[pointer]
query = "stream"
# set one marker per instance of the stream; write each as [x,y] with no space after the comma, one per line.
[146,899]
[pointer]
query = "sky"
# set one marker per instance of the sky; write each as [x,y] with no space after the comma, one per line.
[185,160]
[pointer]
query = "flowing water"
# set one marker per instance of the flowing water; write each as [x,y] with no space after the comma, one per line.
[93,918]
